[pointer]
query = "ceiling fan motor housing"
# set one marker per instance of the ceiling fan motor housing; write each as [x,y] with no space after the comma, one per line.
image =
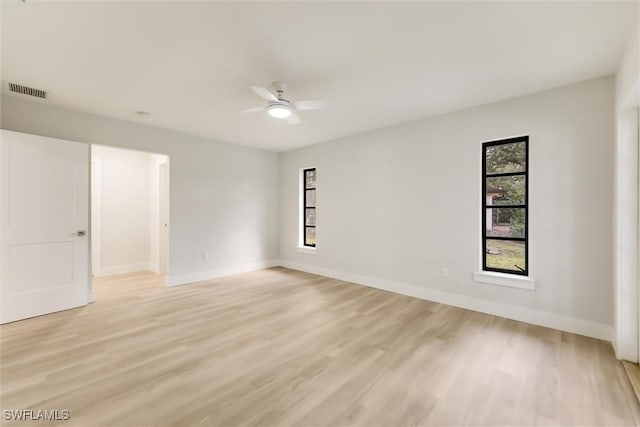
[280,87]
[282,102]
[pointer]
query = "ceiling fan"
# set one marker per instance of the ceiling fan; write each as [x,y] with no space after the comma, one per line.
[280,107]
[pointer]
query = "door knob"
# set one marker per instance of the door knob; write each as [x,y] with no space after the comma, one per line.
[81,232]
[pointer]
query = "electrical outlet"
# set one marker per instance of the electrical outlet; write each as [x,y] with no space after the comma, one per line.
[205,256]
[445,272]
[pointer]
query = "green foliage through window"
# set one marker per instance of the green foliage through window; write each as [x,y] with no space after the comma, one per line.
[504,207]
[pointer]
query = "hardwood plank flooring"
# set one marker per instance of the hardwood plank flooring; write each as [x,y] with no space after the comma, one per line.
[280,347]
[633,373]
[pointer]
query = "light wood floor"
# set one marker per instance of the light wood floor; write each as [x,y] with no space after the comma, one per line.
[281,348]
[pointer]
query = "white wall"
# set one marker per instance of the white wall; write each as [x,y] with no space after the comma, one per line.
[223,197]
[397,204]
[626,227]
[628,73]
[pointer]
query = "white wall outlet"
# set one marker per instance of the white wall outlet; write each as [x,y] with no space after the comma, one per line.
[445,272]
[205,256]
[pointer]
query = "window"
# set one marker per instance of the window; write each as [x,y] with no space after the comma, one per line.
[309,207]
[505,182]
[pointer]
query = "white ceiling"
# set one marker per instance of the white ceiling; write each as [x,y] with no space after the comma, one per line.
[376,64]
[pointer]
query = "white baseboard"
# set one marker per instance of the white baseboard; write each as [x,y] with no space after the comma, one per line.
[185,279]
[123,269]
[522,314]
[155,267]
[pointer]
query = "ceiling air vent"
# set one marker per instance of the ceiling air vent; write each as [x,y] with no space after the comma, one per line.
[26,90]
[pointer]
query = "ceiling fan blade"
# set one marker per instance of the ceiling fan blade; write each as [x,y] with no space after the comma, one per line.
[310,105]
[264,93]
[252,110]
[293,119]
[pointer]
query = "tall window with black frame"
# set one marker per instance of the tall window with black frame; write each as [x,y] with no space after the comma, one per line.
[505,204]
[309,204]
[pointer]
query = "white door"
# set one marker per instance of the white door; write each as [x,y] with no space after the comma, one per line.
[44,215]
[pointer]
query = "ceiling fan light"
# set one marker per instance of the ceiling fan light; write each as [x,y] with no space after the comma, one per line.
[279,111]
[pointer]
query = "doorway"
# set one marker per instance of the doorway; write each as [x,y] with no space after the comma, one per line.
[129,215]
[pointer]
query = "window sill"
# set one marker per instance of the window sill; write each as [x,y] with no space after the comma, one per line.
[503,279]
[307,250]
